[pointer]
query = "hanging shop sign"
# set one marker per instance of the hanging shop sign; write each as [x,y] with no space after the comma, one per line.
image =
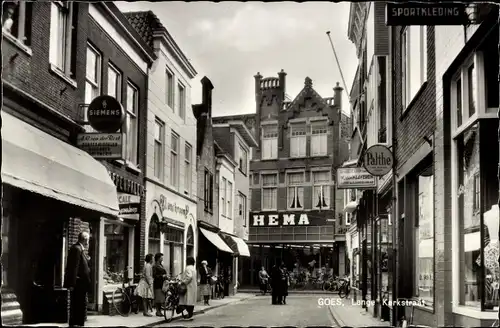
[102,145]
[378,160]
[130,206]
[355,178]
[105,114]
[410,13]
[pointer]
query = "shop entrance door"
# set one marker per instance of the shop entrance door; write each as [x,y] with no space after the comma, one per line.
[94,265]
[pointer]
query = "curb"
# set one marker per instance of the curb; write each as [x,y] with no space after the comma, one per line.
[337,320]
[195,312]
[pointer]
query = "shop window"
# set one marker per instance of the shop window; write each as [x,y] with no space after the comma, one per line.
[424,238]
[475,166]
[172,251]
[154,235]
[116,259]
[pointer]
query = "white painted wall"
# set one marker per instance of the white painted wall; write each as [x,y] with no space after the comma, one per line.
[225,169]
[157,107]
[242,183]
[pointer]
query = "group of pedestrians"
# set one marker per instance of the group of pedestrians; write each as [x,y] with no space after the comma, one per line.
[279,281]
[151,286]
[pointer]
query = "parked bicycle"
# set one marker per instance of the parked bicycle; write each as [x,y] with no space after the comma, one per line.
[172,300]
[331,284]
[123,298]
[219,288]
[344,287]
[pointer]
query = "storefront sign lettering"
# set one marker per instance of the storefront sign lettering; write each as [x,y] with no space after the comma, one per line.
[130,206]
[172,207]
[378,160]
[278,220]
[355,178]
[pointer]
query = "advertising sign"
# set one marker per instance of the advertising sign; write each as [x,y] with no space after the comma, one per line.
[102,145]
[130,206]
[410,13]
[105,114]
[378,160]
[355,178]
[275,219]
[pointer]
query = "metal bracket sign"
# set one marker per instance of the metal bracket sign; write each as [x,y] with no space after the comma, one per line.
[411,13]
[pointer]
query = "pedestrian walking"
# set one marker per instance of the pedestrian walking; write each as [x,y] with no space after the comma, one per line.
[285,282]
[205,277]
[189,287]
[145,287]
[77,279]
[264,280]
[159,275]
[276,296]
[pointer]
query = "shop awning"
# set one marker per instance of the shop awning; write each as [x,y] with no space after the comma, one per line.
[350,207]
[216,240]
[242,246]
[472,241]
[34,160]
[426,248]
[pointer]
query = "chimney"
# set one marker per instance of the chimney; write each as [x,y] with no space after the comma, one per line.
[207,88]
[258,79]
[282,77]
[337,96]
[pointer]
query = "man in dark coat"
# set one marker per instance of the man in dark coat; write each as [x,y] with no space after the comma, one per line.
[276,295]
[77,280]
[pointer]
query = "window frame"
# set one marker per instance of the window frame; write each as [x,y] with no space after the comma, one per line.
[23,36]
[174,176]
[229,199]
[181,90]
[95,85]
[243,162]
[208,191]
[265,127]
[66,9]
[119,81]
[188,159]
[242,207]
[161,143]
[322,185]
[134,114]
[170,88]
[262,187]
[298,126]
[295,187]
[406,79]
[316,124]
[222,195]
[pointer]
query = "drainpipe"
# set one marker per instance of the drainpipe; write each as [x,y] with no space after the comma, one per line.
[498,22]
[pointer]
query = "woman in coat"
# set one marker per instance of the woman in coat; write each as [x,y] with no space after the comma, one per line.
[159,275]
[188,300]
[205,287]
[145,287]
[285,281]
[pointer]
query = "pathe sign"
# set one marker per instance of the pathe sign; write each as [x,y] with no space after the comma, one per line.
[410,13]
[105,114]
[102,145]
[378,160]
[355,178]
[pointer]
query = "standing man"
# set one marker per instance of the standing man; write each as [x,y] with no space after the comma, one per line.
[77,280]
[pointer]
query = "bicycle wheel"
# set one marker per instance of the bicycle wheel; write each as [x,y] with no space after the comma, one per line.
[121,302]
[169,308]
[343,292]
[327,286]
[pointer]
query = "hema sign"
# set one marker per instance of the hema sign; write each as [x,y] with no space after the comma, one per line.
[410,13]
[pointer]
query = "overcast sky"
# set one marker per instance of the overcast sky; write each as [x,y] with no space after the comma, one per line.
[230,42]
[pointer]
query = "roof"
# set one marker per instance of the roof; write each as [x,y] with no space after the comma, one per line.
[243,131]
[149,26]
[221,153]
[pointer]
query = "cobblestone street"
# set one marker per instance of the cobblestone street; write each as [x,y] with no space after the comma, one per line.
[300,311]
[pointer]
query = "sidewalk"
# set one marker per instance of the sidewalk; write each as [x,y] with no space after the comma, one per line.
[256,291]
[138,320]
[353,315]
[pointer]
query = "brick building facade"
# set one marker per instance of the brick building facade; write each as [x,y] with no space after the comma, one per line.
[292,180]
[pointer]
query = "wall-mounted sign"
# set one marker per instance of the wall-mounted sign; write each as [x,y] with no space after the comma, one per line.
[274,219]
[102,145]
[172,208]
[355,178]
[410,13]
[130,206]
[378,160]
[105,114]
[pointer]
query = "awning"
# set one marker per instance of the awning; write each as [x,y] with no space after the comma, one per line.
[216,240]
[242,246]
[426,248]
[351,207]
[34,160]
[472,241]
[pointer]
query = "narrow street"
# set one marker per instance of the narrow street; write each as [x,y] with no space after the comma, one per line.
[300,311]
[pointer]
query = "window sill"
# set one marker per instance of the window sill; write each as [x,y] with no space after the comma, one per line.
[298,157]
[16,42]
[475,313]
[268,210]
[269,159]
[413,101]
[66,79]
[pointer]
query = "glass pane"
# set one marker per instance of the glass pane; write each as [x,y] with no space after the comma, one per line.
[113,80]
[174,142]
[269,179]
[270,131]
[319,177]
[158,131]
[131,99]
[472,90]
[116,259]
[295,178]
[187,152]
[177,260]
[459,102]
[91,71]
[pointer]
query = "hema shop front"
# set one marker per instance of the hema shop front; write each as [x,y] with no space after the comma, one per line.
[51,191]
